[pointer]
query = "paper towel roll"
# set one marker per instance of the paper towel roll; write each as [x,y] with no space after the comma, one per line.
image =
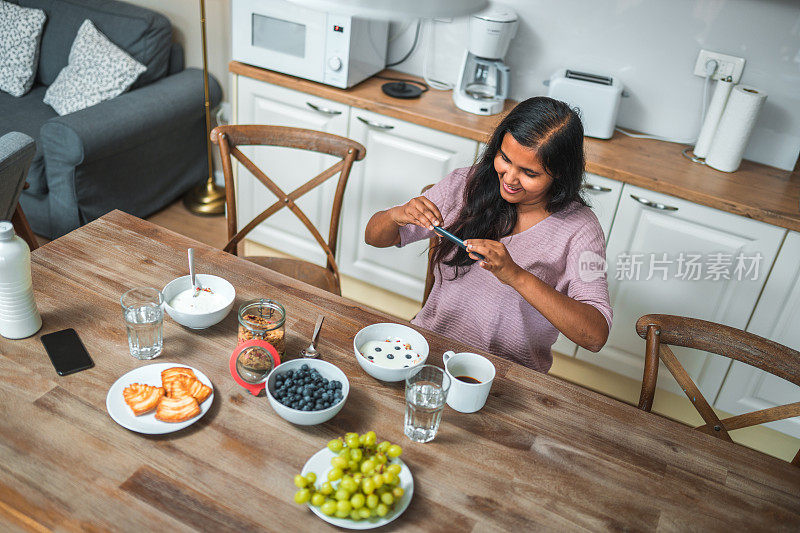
[714,113]
[735,127]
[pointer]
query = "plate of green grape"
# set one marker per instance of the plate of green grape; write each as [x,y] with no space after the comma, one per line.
[356,482]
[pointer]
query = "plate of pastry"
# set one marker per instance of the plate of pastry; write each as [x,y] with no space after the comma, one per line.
[160,398]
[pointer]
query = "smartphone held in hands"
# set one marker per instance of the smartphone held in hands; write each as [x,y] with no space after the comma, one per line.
[447,235]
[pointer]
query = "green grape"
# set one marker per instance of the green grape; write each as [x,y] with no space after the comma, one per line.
[353,465]
[372,501]
[364,512]
[317,499]
[326,488]
[377,480]
[328,508]
[345,453]
[394,451]
[339,462]
[382,510]
[354,515]
[368,486]
[342,495]
[356,454]
[302,496]
[348,484]
[348,434]
[387,498]
[357,477]
[383,446]
[358,501]
[370,438]
[362,439]
[351,440]
[389,478]
[368,466]
[311,477]
[394,469]
[398,492]
[334,474]
[300,482]
[381,458]
[344,506]
[342,514]
[336,445]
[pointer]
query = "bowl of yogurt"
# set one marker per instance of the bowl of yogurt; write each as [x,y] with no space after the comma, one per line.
[388,351]
[213,301]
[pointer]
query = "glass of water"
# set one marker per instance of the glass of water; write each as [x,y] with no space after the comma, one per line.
[426,393]
[143,310]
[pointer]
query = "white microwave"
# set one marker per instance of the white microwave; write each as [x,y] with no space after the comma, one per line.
[338,50]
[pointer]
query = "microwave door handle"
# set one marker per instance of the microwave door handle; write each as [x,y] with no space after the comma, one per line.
[323,110]
[503,79]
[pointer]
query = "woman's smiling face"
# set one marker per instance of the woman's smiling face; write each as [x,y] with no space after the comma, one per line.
[523,180]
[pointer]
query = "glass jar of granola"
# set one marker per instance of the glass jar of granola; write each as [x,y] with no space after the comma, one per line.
[263,319]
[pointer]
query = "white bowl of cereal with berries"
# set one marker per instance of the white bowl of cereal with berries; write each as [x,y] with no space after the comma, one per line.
[388,351]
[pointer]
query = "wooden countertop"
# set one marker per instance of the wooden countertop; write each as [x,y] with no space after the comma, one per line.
[541,454]
[755,191]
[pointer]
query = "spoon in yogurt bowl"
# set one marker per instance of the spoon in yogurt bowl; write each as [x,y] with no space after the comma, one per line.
[195,284]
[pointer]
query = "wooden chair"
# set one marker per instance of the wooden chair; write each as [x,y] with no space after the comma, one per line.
[229,138]
[660,331]
[16,153]
[21,226]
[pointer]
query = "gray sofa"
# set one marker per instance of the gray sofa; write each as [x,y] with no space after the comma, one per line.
[137,152]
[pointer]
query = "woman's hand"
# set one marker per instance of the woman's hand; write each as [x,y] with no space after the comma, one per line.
[419,211]
[496,259]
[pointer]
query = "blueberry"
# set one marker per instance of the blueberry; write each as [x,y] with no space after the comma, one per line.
[389,356]
[396,347]
[304,367]
[324,381]
[377,349]
[408,356]
[290,373]
[370,358]
[405,366]
[307,408]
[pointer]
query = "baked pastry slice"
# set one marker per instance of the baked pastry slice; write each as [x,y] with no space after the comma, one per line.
[175,373]
[199,390]
[142,398]
[177,409]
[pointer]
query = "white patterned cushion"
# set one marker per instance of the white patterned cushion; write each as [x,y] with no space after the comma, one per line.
[97,70]
[20,33]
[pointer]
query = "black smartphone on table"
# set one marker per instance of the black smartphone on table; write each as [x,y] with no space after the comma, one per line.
[66,352]
[447,235]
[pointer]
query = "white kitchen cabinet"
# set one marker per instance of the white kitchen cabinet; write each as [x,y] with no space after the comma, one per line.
[263,103]
[641,235]
[401,159]
[776,317]
[603,196]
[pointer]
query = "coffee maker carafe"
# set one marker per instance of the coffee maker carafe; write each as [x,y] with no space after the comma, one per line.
[484,79]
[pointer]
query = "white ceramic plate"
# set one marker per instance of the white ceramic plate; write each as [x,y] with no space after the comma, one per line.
[320,464]
[147,423]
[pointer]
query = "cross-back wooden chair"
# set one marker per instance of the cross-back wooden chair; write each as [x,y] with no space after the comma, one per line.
[660,331]
[230,138]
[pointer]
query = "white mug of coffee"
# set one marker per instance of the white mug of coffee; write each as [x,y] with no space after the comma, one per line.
[471,378]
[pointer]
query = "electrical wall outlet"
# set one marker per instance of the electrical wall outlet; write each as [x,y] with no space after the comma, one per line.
[727,65]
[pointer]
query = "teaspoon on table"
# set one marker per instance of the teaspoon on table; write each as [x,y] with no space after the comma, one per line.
[311,352]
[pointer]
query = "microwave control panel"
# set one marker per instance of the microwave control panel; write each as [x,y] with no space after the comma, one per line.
[337,39]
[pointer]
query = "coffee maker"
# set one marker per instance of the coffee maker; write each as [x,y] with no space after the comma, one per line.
[483,83]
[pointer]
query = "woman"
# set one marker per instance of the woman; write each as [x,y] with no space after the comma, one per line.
[519,207]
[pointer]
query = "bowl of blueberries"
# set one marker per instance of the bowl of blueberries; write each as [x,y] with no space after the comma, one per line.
[307,391]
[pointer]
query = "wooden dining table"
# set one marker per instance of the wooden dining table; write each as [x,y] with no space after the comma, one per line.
[542,454]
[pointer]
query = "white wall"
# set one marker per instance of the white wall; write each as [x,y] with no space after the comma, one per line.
[651,46]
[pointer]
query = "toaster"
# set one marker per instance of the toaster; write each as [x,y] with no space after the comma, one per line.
[595,97]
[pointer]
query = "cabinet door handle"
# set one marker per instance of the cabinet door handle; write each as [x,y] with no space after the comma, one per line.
[596,188]
[654,205]
[376,125]
[324,110]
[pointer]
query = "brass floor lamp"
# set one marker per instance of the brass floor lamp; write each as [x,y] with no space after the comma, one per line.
[208,198]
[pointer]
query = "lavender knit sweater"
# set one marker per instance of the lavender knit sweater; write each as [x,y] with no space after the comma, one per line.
[478,309]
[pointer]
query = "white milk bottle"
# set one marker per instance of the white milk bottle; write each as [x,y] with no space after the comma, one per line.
[19,317]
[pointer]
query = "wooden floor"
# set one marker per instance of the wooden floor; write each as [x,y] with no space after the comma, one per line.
[209,230]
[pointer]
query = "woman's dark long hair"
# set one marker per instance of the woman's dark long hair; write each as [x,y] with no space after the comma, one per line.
[554,131]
